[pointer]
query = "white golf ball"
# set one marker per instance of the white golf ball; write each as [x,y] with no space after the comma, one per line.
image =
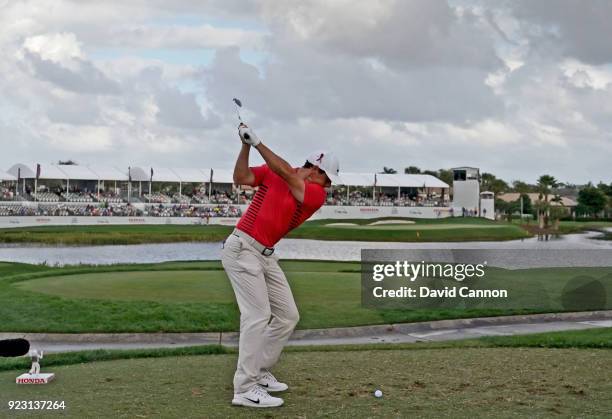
[378,393]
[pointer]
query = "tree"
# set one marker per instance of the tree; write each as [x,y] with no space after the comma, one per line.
[67,163]
[592,200]
[546,185]
[521,187]
[491,183]
[527,204]
[388,170]
[446,175]
[606,189]
[412,170]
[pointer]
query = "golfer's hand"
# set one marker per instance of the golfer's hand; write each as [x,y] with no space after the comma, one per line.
[247,136]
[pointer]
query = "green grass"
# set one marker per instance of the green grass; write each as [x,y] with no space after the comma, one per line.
[598,338]
[570,227]
[566,227]
[439,230]
[196,297]
[454,382]
[114,234]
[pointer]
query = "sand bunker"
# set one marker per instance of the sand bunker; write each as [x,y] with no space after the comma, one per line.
[376,223]
[340,224]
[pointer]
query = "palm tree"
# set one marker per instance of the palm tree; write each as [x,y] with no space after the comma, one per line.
[557,212]
[546,185]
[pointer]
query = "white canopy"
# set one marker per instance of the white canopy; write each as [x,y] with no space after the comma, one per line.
[7,176]
[357,179]
[162,174]
[409,181]
[73,171]
[28,171]
[108,173]
[139,174]
[191,175]
[222,176]
[95,172]
[391,180]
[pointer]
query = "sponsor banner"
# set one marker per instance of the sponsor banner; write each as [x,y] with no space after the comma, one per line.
[325,212]
[32,221]
[345,212]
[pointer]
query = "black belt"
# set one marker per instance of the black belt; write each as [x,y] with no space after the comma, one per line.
[266,251]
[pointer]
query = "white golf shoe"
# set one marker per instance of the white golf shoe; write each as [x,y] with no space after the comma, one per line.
[270,383]
[256,397]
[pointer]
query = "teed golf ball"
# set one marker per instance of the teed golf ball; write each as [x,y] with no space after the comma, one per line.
[378,393]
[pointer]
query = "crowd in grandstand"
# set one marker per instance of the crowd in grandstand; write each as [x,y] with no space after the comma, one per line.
[185,210]
[358,198]
[198,202]
[122,210]
[6,194]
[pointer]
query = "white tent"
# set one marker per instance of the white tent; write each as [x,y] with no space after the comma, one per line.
[423,181]
[7,176]
[357,179]
[76,172]
[192,175]
[162,174]
[384,179]
[409,181]
[28,171]
[138,174]
[108,173]
[22,170]
[222,176]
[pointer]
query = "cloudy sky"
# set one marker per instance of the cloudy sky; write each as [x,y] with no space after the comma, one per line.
[517,88]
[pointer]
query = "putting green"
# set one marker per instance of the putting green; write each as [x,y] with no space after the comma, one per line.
[210,286]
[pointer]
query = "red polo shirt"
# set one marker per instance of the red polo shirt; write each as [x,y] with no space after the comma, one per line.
[274,211]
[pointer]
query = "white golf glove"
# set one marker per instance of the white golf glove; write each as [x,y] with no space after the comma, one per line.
[247,135]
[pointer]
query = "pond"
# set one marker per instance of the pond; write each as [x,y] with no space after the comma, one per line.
[286,249]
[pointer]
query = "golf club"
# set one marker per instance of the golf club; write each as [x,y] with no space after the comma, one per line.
[238,104]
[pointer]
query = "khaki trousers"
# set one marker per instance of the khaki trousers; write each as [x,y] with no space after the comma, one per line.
[268,313]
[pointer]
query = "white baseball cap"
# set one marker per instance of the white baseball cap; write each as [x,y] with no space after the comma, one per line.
[328,162]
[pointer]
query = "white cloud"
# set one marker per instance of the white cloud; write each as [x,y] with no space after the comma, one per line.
[518,88]
[61,48]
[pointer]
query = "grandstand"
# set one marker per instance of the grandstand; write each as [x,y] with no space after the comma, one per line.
[95,190]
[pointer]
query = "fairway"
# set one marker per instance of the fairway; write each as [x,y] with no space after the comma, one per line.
[465,382]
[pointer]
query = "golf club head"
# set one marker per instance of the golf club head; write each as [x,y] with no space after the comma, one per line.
[238,104]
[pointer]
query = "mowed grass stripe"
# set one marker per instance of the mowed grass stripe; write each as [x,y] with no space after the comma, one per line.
[439,230]
[183,286]
[197,297]
[469,382]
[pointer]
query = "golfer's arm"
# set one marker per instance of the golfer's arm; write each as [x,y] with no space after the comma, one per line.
[284,170]
[243,175]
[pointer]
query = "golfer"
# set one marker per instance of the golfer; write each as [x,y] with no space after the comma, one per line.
[286,197]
